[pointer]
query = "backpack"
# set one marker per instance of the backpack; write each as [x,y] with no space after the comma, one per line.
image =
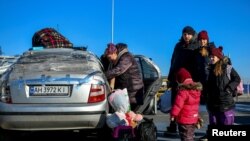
[239,89]
[165,102]
[146,131]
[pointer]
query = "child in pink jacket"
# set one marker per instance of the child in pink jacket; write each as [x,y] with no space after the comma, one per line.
[186,106]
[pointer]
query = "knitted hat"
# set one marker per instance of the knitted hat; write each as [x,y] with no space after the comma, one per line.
[189,30]
[217,52]
[182,75]
[110,49]
[203,35]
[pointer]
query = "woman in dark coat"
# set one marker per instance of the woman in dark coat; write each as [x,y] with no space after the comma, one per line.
[203,61]
[220,101]
[183,56]
[125,70]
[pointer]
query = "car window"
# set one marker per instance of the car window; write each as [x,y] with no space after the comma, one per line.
[7,60]
[147,69]
[55,60]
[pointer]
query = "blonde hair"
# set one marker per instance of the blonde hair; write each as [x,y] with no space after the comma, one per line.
[218,68]
[204,52]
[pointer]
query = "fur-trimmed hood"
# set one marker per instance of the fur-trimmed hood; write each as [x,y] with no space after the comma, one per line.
[190,86]
[187,101]
[193,40]
[227,60]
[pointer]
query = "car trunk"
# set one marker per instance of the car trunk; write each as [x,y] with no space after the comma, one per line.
[53,77]
[52,89]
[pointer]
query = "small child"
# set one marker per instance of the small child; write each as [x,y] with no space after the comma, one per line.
[186,106]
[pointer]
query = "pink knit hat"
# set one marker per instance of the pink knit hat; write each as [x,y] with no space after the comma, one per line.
[110,49]
[217,52]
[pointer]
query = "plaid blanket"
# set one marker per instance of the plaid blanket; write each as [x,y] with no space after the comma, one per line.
[50,38]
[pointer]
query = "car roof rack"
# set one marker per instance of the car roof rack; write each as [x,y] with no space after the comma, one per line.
[84,48]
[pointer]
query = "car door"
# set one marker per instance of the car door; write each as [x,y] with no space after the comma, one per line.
[152,82]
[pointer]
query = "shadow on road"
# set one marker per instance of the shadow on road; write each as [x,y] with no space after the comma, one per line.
[53,135]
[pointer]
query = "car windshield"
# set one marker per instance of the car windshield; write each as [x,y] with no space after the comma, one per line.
[63,60]
[7,60]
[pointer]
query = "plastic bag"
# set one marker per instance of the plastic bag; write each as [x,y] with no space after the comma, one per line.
[147,130]
[119,100]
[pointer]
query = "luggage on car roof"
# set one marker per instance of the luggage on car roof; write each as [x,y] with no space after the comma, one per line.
[50,38]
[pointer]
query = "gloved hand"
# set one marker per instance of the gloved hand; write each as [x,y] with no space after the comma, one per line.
[199,123]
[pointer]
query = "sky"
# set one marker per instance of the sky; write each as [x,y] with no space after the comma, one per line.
[148,27]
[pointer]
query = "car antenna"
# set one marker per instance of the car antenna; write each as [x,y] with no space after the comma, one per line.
[57,27]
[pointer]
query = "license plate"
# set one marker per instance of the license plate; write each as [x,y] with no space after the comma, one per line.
[49,90]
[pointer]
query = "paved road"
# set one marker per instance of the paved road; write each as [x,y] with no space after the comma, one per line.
[242,117]
[161,120]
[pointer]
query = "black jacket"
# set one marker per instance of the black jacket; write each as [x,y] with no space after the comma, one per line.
[183,56]
[220,90]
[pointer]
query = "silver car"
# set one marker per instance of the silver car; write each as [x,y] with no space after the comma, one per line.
[54,89]
[6,62]
[63,88]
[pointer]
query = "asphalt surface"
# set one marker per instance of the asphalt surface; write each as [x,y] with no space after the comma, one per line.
[160,119]
[242,117]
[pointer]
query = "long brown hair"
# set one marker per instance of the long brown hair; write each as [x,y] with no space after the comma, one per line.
[218,66]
